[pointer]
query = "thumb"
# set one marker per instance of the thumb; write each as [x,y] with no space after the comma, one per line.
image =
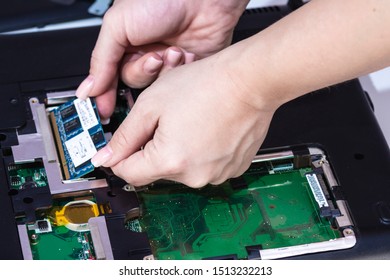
[132,134]
[106,57]
[140,168]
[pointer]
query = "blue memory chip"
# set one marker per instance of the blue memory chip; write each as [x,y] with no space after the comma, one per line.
[79,136]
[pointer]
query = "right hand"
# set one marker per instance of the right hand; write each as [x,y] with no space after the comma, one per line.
[140,40]
[196,125]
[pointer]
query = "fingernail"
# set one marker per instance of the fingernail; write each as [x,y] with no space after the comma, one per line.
[105,121]
[85,88]
[152,65]
[189,57]
[102,156]
[173,57]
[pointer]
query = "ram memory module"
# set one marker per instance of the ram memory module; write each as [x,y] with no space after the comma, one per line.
[79,135]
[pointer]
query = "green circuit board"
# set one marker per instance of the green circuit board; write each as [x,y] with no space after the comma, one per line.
[61,244]
[50,240]
[27,175]
[263,211]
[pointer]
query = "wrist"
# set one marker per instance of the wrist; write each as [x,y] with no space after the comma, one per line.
[248,72]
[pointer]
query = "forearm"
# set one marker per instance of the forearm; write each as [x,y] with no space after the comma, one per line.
[323,43]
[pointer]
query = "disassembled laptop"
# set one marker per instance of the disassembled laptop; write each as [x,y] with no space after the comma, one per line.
[288,203]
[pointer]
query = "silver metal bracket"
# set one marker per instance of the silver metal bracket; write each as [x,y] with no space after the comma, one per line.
[99,7]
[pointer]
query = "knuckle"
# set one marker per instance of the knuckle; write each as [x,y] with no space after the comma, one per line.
[134,78]
[218,181]
[221,177]
[131,73]
[110,15]
[178,169]
[244,167]
[197,184]
[196,180]
[174,166]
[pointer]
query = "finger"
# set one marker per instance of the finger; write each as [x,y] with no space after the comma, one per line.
[140,71]
[151,164]
[146,63]
[189,57]
[132,134]
[106,104]
[146,166]
[138,169]
[108,52]
[173,57]
[85,87]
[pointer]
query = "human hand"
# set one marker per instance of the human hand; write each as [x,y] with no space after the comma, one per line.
[194,125]
[140,40]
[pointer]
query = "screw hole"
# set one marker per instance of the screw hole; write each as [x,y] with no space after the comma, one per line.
[3,137]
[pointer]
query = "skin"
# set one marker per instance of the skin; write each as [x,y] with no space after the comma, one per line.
[172,32]
[202,122]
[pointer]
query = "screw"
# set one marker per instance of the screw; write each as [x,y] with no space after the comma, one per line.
[14,101]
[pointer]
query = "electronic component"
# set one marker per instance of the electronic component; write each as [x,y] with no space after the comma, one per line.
[27,175]
[78,134]
[274,210]
[40,226]
[64,232]
[75,214]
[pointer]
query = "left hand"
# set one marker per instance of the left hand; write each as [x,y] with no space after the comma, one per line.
[142,39]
